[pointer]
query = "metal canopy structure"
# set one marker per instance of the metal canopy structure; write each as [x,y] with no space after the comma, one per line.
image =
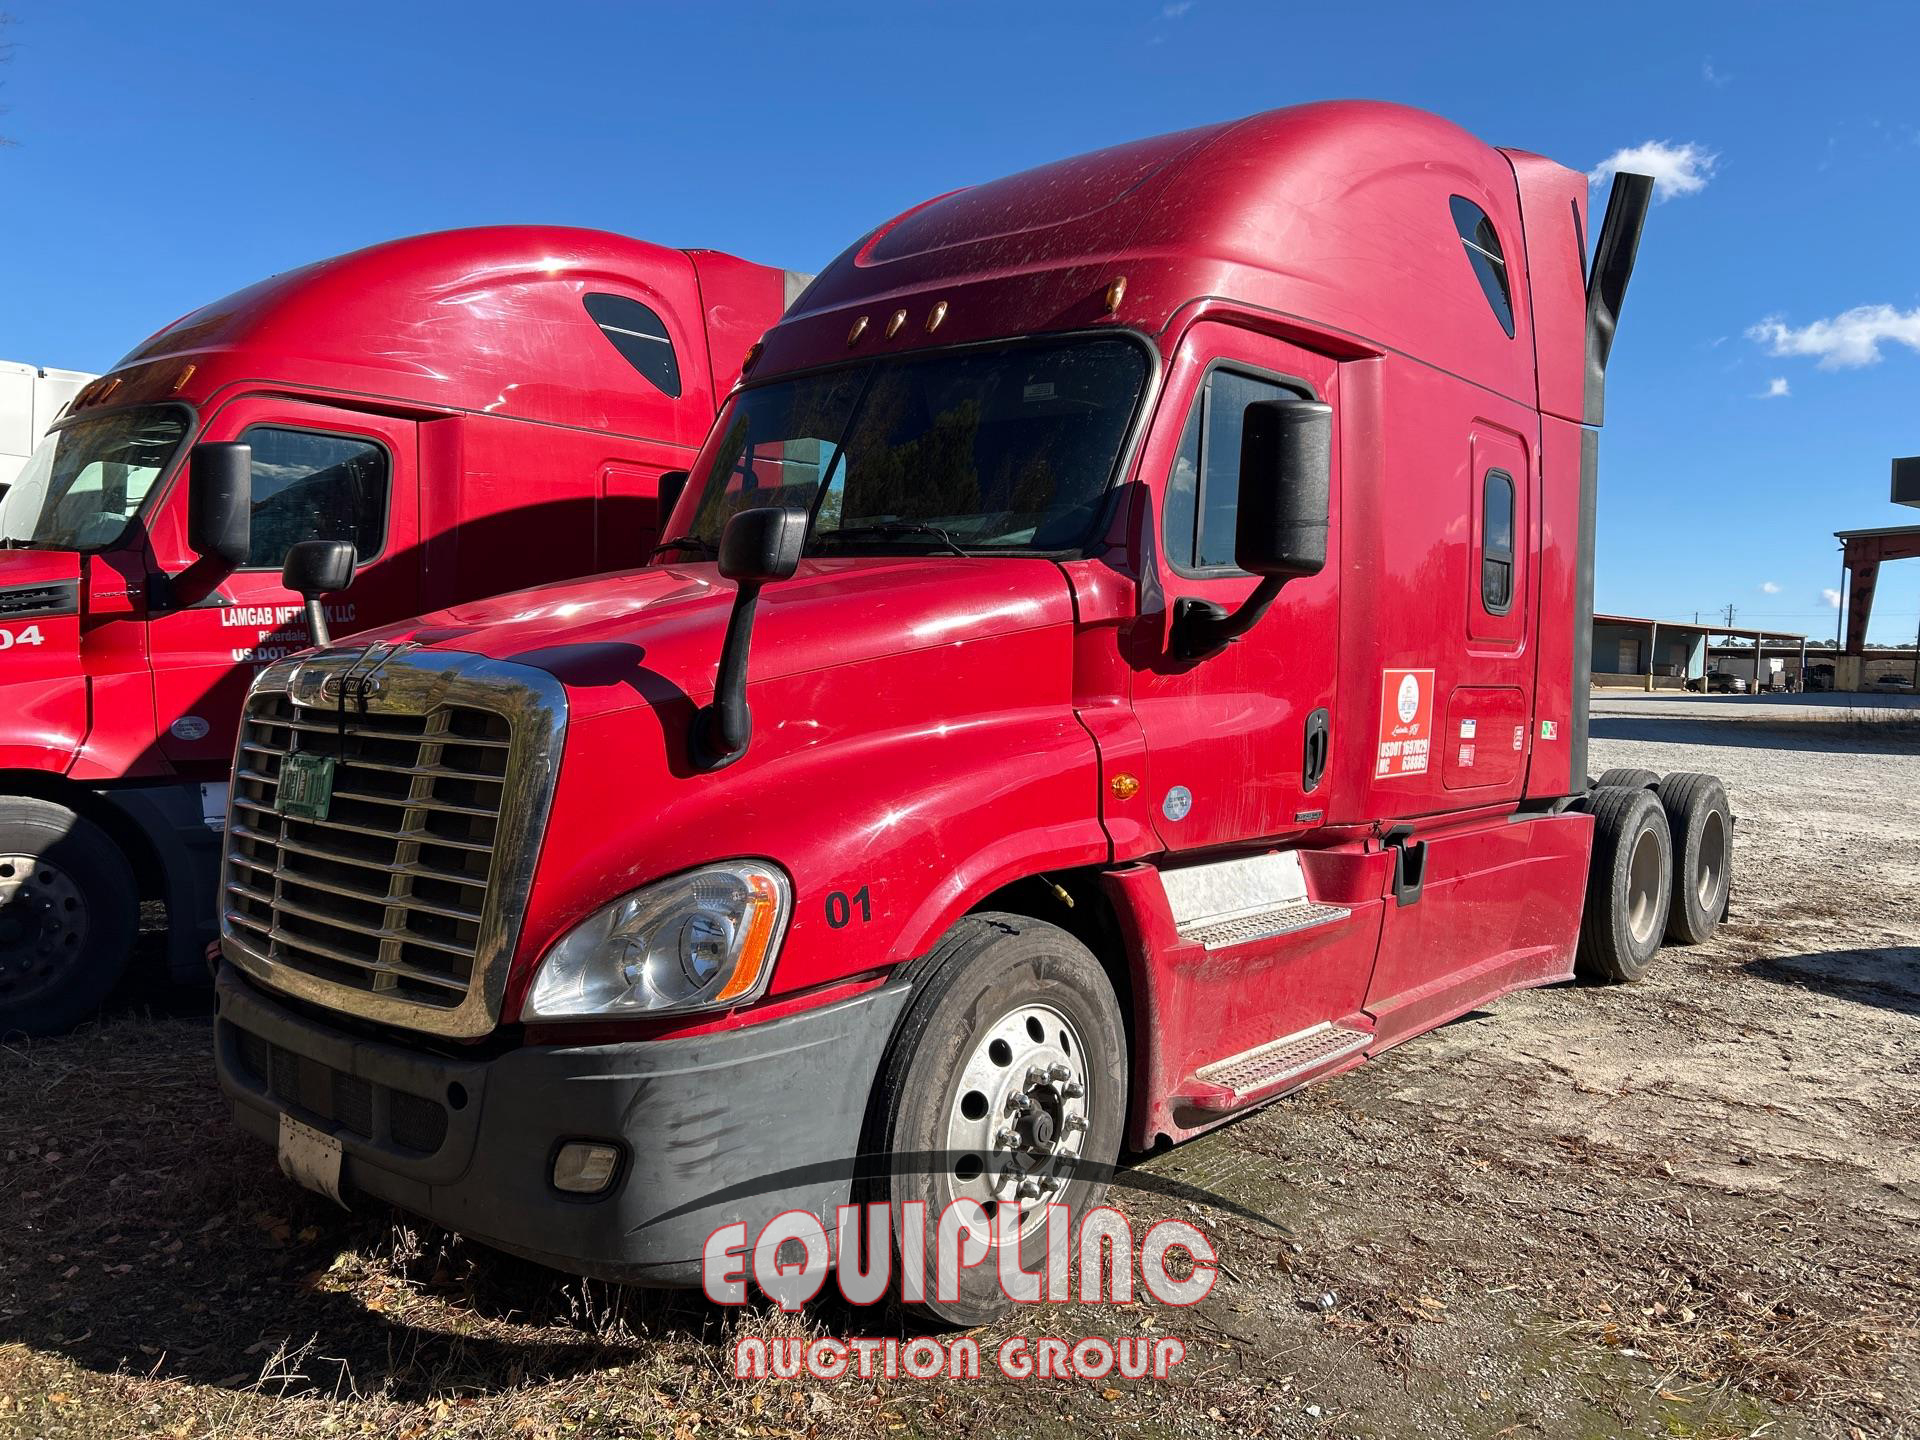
[1784,641]
[1866,549]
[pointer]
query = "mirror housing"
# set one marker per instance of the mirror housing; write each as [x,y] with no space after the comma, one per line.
[220,501]
[1281,521]
[315,568]
[1286,479]
[673,484]
[757,547]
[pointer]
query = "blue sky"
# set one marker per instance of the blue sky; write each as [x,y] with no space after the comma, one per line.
[165,155]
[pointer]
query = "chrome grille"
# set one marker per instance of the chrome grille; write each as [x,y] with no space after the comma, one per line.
[386,892]
[401,901]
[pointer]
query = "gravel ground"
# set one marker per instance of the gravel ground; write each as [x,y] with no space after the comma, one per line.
[1687,1207]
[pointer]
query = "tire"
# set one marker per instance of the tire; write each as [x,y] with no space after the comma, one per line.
[1628,779]
[69,910]
[1629,882]
[1010,981]
[1701,822]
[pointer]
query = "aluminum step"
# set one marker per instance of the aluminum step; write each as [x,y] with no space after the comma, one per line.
[1266,1070]
[1237,902]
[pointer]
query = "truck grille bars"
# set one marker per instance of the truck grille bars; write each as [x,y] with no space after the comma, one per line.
[385,812]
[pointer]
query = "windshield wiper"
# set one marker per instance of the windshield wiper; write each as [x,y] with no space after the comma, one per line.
[892,530]
[687,542]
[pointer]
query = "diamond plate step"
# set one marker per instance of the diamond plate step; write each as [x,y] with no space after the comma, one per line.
[1268,1069]
[1235,902]
[1264,924]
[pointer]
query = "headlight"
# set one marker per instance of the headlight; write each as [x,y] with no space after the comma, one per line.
[696,941]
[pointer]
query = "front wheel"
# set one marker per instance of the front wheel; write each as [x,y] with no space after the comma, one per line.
[1005,1085]
[68,913]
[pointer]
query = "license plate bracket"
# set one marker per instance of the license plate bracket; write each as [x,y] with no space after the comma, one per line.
[306,785]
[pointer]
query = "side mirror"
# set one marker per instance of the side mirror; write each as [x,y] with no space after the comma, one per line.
[315,568]
[1286,469]
[1280,533]
[673,484]
[757,546]
[220,500]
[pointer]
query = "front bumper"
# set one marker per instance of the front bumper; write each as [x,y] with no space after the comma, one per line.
[738,1125]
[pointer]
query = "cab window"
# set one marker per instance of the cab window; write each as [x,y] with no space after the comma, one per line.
[1203,490]
[640,335]
[1496,543]
[313,486]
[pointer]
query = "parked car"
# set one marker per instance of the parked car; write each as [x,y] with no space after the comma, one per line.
[1722,684]
[1891,681]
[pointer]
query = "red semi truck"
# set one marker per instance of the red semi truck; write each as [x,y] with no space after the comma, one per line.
[1123,657]
[475,411]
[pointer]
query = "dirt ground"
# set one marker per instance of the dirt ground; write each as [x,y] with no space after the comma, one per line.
[1690,1207]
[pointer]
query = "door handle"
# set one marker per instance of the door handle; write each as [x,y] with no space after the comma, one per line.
[1315,767]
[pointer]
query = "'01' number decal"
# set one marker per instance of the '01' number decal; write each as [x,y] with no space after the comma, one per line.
[29,636]
[842,907]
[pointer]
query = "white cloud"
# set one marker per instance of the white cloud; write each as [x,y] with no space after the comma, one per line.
[1177,9]
[1712,76]
[1832,597]
[1676,169]
[1776,389]
[1847,341]
[1769,587]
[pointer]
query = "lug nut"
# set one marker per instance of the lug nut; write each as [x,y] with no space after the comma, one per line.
[1072,1123]
[1073,1090]
[1003,1139]
[1029,1190]
[1020,1102]
[1036,1075]
[1059,1072]
[1049,1184]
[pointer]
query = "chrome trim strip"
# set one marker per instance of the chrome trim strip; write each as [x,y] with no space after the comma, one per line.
[415,683]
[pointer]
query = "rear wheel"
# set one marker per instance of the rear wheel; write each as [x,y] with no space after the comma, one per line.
[1628,881]
[1628,778]
[68,913]
[1005,1085]
[1701,822]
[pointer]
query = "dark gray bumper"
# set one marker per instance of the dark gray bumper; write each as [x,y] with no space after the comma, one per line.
[738,1125]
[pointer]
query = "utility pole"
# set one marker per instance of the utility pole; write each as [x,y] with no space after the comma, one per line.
[1729,617]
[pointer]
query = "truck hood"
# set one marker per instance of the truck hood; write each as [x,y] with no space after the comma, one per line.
[618,637]
[32,569]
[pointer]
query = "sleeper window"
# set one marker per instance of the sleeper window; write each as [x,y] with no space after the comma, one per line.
[641,338]
[1489,261]
[1496,543]
[1203,490]
[308,486]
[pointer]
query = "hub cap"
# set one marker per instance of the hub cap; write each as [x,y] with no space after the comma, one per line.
[1017,1119]
[43,925]
[1712,864]
[1646,878]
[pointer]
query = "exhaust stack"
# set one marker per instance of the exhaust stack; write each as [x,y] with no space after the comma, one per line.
[1607,284]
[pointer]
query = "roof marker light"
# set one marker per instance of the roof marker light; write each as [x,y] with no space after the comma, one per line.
[894,322]
[1116,292]
[752,356]
[180,380]
[859,329]
[935,316]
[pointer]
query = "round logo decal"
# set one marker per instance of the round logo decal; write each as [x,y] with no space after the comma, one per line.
[1178,802]
[1409,700]
[189,727]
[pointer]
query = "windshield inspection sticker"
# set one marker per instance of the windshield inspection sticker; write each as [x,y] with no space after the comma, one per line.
[1406,723]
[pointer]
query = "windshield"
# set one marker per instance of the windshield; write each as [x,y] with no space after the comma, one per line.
[1003,449]
[85,481]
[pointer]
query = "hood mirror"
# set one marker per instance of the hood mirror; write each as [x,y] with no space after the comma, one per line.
[757,547]
[315,568]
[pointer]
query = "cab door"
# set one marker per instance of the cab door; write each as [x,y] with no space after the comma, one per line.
[319,473]
[1238,740]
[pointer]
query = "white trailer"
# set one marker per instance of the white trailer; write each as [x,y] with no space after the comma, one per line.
[31,396]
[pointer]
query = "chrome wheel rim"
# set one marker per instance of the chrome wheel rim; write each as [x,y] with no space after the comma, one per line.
[1646,879]
[43,925]
[1017,1116]
[1712,865]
